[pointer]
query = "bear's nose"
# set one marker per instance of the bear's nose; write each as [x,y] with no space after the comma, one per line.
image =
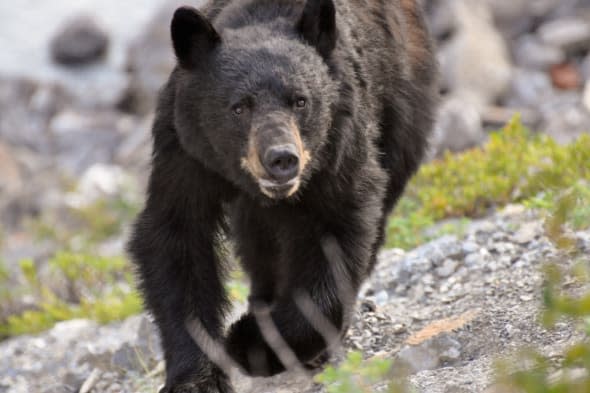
[281,162]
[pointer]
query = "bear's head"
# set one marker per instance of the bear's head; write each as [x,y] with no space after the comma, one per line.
[255,103]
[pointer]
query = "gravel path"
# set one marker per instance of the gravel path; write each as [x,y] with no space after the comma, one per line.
[445,311]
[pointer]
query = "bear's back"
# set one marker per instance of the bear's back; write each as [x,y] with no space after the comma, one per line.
[387,37]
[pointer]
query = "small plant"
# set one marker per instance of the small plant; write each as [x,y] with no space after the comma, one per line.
[105,218]
[355,375]
[571,373]
[4,292]
[515,166]
[100,289]
[96,287]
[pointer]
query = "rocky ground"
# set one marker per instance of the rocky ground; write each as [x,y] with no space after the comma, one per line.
[76,102]
[444,311]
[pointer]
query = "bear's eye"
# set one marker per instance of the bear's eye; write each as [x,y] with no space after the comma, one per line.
[238,109]
[301,102]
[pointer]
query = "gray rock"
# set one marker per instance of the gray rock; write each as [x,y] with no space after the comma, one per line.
[475,64]
[100,182]
[586,96]
[26,109]
[568,34]
[568,125]
[417,358]
[414,266]
[440,18]
[530,52]
[72,382]
[585,67]
[95,85]
[69,332]
[448,267]
[150,60]
[470,246]
[12,185]
[84,138]
[458,126]
[583,239]
[135,150]
[442,350]
[552,8]
[128,358]
[439,249]
[529,88]
[381,297]
[514,17]
[10,171]
[477,259]
[527,233]
[80,41]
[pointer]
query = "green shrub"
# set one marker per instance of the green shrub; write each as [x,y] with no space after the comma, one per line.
[105,218]
[100,288]
[571,372]
[515,166]
[4,277]
[355,375]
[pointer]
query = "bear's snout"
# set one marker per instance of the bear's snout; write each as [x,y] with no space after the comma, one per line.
[281,162]
[276,156]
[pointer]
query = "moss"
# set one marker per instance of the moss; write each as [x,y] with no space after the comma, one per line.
[515,166]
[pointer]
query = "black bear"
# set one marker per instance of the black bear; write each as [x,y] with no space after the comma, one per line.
[290,127]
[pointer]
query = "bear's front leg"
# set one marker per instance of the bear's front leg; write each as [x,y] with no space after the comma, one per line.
[309,315]
[174,247]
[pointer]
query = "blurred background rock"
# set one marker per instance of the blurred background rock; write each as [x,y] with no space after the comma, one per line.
[78,82]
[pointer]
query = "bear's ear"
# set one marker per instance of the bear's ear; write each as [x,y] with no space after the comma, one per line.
[318,25]
[193,36]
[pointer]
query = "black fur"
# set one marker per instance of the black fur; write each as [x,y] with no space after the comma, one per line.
[365,72]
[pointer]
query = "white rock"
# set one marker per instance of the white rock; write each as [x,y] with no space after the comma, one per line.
[527,233]
[458,126]
[568,34]
[476,62]
[529,87]
[73,329]
[100,180]
[448,267]
[530,52]
[10,172]
[586,96]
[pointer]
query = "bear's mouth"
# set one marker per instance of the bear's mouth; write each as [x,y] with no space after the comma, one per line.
[276,190]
